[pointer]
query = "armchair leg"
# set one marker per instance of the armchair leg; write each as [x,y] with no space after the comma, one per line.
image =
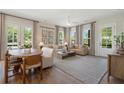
[24,71]
[23,77]
[41,74]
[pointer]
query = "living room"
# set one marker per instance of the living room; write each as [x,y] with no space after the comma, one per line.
[75,45]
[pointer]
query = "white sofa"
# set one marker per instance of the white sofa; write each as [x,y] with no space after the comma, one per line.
[48,57]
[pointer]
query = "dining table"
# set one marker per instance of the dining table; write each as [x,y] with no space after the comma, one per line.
[19,53]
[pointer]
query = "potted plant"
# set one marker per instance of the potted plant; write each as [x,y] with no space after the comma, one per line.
[119,39]
[27,47]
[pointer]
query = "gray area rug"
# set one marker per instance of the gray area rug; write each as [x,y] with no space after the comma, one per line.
[88,69]
[1,71]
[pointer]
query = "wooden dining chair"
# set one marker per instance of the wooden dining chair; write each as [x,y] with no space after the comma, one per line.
[12,66]
[31,62]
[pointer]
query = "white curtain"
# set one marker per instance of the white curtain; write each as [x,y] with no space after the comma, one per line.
[92,43]
[3,44]
[0,34]
[35,25]
[57,29]
[77,34]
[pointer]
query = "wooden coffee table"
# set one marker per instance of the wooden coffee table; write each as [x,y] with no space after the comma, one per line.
[63,55]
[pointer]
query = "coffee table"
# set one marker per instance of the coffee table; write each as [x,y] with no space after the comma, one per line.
[63,55]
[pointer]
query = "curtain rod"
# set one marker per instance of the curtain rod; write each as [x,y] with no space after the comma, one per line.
[19,17]
[76,25]
[47,27]
[88,23]
[83,24]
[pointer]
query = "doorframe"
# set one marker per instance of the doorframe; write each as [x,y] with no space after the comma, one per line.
[20,32]
[113,25]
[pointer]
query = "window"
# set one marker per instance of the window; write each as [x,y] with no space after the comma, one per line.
[86,34]
[12,36]
[19,32]
[86,37]
[73,36]
[27,35]
[61,36]
[107,37]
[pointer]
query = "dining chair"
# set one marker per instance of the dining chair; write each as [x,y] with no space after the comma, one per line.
[31,62]
[12,66]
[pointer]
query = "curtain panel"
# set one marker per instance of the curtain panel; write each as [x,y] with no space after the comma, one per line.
[92,43]
[2,36]
[57,30]
[77,31]
[35,25]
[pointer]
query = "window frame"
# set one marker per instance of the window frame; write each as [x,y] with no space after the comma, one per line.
[31,34]
[88,37]
[61,30]
[18,32]
[106,32]
[73,29]
[87,28]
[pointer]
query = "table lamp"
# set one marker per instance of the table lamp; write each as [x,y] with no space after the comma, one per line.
[66,45]
[41,44]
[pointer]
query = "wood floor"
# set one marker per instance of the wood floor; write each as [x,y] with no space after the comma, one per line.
[55,76]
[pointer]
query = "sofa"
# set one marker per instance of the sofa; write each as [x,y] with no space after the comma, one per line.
[48,57]
[80,50]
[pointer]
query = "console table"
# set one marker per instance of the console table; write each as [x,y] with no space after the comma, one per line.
[116,66]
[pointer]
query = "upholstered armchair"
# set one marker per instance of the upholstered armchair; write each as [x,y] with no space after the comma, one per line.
[48,57]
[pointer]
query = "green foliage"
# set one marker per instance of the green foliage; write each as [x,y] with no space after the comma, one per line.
[12,34]
[61,37]
[27,45]
[27,38]
[27,35]
[119,39]
[107,37]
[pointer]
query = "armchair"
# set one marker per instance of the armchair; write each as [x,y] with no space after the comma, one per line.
[48,57]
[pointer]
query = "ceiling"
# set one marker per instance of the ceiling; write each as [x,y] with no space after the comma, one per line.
[60,16]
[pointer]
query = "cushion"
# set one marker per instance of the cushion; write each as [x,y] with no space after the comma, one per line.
[47,52]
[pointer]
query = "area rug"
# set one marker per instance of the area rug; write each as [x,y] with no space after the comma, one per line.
[88,69]
[1,71]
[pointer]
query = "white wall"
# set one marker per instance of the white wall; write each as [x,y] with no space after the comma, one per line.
[38,32]
[119,27]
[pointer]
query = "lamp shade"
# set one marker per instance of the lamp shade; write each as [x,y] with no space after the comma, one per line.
[41,44]
[65,43]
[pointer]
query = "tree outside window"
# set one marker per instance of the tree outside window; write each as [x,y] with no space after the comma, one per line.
[12,36]
[61,37]
[27,35]
[73,37]
[86,37]
[107,37]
